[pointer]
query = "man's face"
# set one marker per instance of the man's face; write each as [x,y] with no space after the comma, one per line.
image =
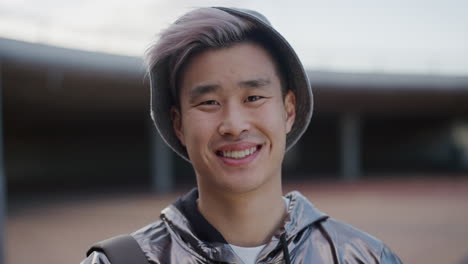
[233,118]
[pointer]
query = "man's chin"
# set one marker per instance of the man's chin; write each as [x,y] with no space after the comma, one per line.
[239,183]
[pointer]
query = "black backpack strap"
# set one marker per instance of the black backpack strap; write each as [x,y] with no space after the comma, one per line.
[121,249]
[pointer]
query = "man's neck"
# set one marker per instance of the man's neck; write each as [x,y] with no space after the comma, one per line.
[246,219]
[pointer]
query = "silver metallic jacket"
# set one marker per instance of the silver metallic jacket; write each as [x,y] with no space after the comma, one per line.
[310,237]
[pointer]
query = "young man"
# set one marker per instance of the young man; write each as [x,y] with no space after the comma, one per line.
[230,96]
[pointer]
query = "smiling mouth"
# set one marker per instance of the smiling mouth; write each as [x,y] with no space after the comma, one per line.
[238,154]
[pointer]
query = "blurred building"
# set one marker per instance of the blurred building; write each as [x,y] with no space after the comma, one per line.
[77,119]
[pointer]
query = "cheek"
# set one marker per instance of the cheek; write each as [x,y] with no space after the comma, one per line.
[198,128]
[272,118]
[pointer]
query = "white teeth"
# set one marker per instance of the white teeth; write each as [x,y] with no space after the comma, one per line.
[238,154]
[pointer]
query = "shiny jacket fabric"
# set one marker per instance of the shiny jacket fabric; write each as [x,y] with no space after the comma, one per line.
[311,237]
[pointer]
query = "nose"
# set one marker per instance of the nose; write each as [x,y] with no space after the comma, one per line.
[234,123]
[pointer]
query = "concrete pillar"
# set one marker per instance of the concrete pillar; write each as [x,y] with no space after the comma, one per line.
[3,195]
[162,174]
[350,152]
[459,135]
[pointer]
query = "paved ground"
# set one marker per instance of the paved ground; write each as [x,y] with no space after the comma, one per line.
[424,221]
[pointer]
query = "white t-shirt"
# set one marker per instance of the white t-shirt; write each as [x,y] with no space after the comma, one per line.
[250,254]
[247,254]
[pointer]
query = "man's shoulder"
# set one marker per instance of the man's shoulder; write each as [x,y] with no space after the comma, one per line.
[154,234]
[351,242]
[152,239]
[342,233]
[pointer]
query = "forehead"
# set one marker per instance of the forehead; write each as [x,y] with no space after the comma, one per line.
[224,66]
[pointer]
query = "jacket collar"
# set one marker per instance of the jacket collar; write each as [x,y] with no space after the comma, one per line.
[187,205]
[301,214]
[186,223]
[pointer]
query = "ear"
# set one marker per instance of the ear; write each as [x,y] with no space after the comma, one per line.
[176,118]
[290,109]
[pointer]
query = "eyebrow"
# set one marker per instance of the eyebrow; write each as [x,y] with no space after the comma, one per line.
[256,83]
[202,89]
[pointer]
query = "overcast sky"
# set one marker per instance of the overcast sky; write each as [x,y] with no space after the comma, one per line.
[409,36]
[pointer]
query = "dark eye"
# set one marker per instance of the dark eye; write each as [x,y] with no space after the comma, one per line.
[254,98]
[209,102]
